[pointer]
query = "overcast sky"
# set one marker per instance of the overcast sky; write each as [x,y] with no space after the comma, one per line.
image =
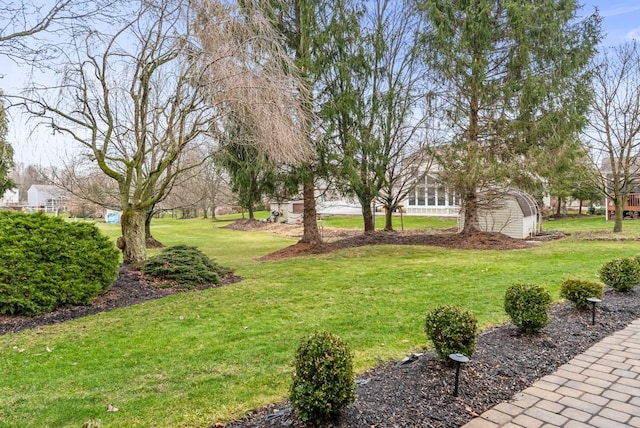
[621,22]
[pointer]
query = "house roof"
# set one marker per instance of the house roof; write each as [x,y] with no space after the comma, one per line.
[605,165]
[48,189]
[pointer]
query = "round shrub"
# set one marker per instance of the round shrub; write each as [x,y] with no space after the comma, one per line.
[47,263]
[578,290]
[323,380]
[528,307]
[621,274]
[451,329]
[184,267]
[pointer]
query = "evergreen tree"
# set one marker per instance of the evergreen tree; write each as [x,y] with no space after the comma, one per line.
[512,75]
[252,175]
[6,153]
[372,108]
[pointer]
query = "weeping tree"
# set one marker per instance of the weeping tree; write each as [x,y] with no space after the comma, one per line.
[136,97]
[303,28]
[511,75]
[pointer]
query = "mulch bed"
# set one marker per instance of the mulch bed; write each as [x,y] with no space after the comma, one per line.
[417,392]
[475,241]
[128,289]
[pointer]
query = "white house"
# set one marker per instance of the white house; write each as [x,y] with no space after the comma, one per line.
[46,197]
[430,197]
[10,198]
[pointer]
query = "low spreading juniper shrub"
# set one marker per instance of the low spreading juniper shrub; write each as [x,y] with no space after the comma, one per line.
[185,267]
[47,263]
[528,307]
[323,381]
[579,290]
[621,274]
[451,329]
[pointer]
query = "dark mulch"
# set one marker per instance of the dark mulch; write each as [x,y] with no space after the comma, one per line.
[477,241]
[128,289]
[417,392]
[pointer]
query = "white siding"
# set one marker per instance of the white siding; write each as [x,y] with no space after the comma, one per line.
[506,216]
[506,219]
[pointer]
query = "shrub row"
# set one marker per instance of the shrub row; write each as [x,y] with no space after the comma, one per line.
[323,381]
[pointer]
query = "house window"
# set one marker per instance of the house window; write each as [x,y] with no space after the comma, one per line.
[431,194]
[420,193]
[442,200]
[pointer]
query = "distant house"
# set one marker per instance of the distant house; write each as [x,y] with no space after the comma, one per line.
[46,198]
[10,198]
[632,204]
[429,196]
[508,211]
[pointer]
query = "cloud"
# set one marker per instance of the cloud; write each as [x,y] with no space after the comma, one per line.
[619,11]
[633,34]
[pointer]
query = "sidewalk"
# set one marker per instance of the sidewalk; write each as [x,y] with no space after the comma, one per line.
[598,388]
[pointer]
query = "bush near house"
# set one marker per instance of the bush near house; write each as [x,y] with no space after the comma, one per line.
[579,290]
[323,379]
[47,263]
[451,329]
[528,307]
[621,274]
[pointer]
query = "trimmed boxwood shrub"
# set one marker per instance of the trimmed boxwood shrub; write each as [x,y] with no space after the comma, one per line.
[451,329]
[528,306]
[621,274]
[578,290]
[47,263]
[185,267]
[323,380]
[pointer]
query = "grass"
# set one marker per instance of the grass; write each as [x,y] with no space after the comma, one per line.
[191,359]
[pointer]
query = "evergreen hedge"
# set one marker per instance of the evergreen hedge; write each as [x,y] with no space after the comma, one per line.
[47,262]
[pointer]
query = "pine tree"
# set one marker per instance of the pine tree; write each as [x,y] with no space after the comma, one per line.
[6,153]
[512,75]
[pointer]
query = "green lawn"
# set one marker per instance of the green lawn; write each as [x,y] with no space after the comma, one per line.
[192,359]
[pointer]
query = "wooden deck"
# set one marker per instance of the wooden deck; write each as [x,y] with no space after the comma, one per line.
[631,208]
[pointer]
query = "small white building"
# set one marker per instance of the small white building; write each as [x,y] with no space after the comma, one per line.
[10,198]
[46,197]
[511,212]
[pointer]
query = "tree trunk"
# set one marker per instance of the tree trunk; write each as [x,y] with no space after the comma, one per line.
[150,241]
[368,216]
[388,218]
[580,208]
[471,221]
[251,213]
[559,206]
[619,214]
[311,234]
[132,241]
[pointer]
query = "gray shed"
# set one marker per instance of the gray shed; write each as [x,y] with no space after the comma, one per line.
[511,212]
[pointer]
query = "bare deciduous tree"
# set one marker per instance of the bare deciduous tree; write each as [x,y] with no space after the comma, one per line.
[26,25]
[613,133]
[137,98]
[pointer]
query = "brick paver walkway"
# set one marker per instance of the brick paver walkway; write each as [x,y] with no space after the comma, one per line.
[599,388]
